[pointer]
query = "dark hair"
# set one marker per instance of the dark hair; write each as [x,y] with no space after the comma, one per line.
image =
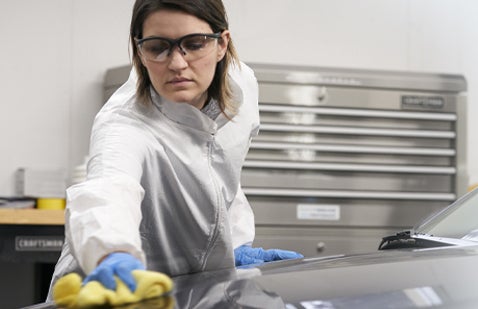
[212,12]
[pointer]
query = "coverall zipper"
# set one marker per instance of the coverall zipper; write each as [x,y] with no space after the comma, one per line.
[218,205]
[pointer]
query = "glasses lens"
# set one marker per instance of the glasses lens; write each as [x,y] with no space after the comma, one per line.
[197,46]
[195,42]
[155,49]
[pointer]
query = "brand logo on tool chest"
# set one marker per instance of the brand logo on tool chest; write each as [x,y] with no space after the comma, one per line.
[425,102]
[38,243]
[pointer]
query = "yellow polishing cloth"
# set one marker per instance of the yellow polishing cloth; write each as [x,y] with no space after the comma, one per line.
[68,291]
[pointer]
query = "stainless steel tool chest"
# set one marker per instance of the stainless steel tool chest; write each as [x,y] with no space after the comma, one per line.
[346,156]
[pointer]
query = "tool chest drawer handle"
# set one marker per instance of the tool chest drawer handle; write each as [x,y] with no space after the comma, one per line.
[399,195]
[355,149]
[357,131]
[350,167]
[357,112]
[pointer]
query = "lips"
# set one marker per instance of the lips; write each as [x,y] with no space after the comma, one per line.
[179,80]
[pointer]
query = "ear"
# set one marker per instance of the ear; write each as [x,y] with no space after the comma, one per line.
[222,44]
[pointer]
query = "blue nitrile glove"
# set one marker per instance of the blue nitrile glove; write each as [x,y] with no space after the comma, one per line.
[245,255]
[118,264]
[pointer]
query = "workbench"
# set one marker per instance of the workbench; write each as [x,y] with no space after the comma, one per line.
[31,235]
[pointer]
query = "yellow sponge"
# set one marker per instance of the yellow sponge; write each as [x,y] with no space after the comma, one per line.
[68,291]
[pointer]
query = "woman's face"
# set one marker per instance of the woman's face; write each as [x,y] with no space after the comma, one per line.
[176,79]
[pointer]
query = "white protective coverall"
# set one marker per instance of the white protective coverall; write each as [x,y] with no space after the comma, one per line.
[163,184]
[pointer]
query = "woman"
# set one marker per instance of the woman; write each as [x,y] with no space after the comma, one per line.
[163,187]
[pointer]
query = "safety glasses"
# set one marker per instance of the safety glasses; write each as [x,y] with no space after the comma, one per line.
[192,46]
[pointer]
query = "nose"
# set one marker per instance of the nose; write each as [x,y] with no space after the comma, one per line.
[177,61]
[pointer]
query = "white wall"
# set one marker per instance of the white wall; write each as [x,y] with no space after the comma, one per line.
[55,52]
[53,57]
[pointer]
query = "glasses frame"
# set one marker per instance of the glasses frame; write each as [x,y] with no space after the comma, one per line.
[175,42]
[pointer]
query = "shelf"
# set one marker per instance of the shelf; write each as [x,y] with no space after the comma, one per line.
[32,216]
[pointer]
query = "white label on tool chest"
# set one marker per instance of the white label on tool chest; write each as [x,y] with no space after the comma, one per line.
[318,212]
[38,243]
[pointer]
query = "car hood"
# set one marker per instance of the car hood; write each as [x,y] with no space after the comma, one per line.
[445,277]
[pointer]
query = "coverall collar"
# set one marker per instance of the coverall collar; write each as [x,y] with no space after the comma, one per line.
[184,114]
[188,115]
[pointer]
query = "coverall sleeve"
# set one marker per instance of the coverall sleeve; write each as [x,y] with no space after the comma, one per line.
[241,215]
[242,221]
[104,213]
